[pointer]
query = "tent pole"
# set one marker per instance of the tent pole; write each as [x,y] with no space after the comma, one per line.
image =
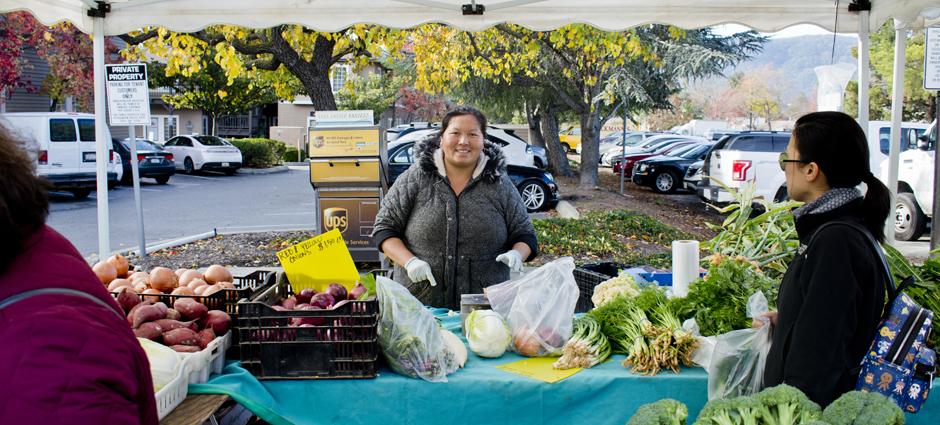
[864,43]
[102,159]
[897,110]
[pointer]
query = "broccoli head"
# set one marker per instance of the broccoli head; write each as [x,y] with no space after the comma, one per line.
[719,412]
[863,408]
[786,405]
[663,412]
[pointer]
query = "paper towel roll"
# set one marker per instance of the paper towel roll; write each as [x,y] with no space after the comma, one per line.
[685,265]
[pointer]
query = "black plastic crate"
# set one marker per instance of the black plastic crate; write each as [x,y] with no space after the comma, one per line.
[586,281]
[341,343]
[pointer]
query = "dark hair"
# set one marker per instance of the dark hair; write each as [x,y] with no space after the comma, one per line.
[835,142]
[24,202]
[460,111]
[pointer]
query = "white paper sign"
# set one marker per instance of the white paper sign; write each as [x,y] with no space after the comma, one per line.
[932,60]
[128,94]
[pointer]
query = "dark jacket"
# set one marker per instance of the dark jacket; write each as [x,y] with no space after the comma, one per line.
[459,237]
[831,300]
[65,359]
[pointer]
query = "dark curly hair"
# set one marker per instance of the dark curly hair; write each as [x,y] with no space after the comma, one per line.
[24,199]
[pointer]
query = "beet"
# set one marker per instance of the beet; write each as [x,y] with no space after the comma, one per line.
[305,295]
[337,291]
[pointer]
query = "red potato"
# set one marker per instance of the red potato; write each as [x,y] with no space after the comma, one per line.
[185,348]
[172,314]
[183,336]
[190,309]
[127,298]
[217,320]
[168,325]
[147,313]
[150,330]
[206,336]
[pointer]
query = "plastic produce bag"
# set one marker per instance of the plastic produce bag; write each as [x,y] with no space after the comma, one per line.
[735,360]
[410,336]
[538,307]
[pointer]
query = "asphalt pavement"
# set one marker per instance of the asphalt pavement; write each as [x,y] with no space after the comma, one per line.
[190,205]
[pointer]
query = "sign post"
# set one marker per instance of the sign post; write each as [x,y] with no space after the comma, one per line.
[129,104]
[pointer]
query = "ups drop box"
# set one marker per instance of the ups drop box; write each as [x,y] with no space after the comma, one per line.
[352,213]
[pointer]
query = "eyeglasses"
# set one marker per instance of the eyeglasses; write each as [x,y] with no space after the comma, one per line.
[784,159]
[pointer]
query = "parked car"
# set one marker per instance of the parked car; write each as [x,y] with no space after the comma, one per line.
[614,142]
[738,159]
[63,146]
[204,153]
[626,164]
[650,144]
[914,203]
[537,187]
[694,175]
[665,173]
[152,161]
[394,133]
[517,151]
[570,140]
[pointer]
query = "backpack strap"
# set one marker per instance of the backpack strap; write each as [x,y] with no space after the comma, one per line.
[893,291]
[57,291]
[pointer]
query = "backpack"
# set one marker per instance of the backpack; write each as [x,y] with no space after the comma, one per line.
[898,365]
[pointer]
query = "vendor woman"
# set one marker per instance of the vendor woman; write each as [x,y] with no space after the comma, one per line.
[833,293]
[454,223]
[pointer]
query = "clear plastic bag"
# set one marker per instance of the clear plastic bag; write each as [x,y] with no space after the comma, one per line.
[735,360]
[538,307]
[410,336]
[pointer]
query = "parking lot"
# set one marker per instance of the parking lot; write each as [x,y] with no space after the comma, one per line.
[190,205]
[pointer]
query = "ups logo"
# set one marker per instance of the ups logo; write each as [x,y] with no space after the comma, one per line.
[336,218]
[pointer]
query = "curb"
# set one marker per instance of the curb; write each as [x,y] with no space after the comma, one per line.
[297,164]
[270,170]
[566,210]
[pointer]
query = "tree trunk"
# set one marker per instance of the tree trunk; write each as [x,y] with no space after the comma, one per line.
[534,117]
[557,161]
[590,146]
[313,74]
[212,123]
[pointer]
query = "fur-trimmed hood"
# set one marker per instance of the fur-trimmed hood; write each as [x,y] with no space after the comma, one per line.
[494,168]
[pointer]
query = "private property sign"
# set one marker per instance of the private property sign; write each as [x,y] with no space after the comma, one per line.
[128,94]
[932,60]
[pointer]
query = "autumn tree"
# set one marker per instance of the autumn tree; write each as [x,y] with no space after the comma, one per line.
[292,52]
[16,29]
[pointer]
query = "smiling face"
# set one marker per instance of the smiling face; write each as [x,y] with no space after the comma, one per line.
[462,142]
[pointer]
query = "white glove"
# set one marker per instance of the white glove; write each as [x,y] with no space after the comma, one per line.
[511,258]
[419,270]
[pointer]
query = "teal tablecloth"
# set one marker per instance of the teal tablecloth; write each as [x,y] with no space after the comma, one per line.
[476,394]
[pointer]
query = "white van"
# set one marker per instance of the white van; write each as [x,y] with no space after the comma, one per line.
[914,204]
[879,139]
[63,146]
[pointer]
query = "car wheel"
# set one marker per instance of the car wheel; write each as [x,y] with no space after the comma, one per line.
[909,220]
[162,179]
[565,148]
[665,182]
[534,195]
[188,166]
[81,193]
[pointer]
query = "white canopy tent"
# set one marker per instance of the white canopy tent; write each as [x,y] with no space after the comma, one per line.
[121,16]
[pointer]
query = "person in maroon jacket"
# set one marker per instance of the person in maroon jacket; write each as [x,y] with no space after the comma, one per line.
[67,354]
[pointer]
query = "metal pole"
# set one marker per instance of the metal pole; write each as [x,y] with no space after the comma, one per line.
[623,144]
[864,42]
[934,235]
[897,109]
[137,202]
[102,141]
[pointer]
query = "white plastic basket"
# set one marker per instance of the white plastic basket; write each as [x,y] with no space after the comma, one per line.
[211,360]
[173,393]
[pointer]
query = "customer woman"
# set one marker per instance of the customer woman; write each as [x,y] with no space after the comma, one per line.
[454,223]
[67,355]
[833,293]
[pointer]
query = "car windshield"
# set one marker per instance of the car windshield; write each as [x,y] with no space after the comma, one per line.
[142,145]
[211,141]
[695,152]
[678,151]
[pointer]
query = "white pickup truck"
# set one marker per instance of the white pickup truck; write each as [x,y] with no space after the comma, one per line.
[914,204]
[738,159]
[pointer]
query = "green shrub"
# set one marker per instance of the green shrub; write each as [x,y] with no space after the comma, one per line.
[260,153]
[290,155]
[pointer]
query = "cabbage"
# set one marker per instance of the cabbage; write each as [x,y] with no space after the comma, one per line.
[487,333]
[164,362]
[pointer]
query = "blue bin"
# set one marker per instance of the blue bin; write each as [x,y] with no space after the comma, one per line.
[661,278]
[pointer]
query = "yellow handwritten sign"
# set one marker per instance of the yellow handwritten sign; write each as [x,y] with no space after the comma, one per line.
[319,261]
[539,368]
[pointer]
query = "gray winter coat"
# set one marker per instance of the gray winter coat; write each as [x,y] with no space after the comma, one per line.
[459,237]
